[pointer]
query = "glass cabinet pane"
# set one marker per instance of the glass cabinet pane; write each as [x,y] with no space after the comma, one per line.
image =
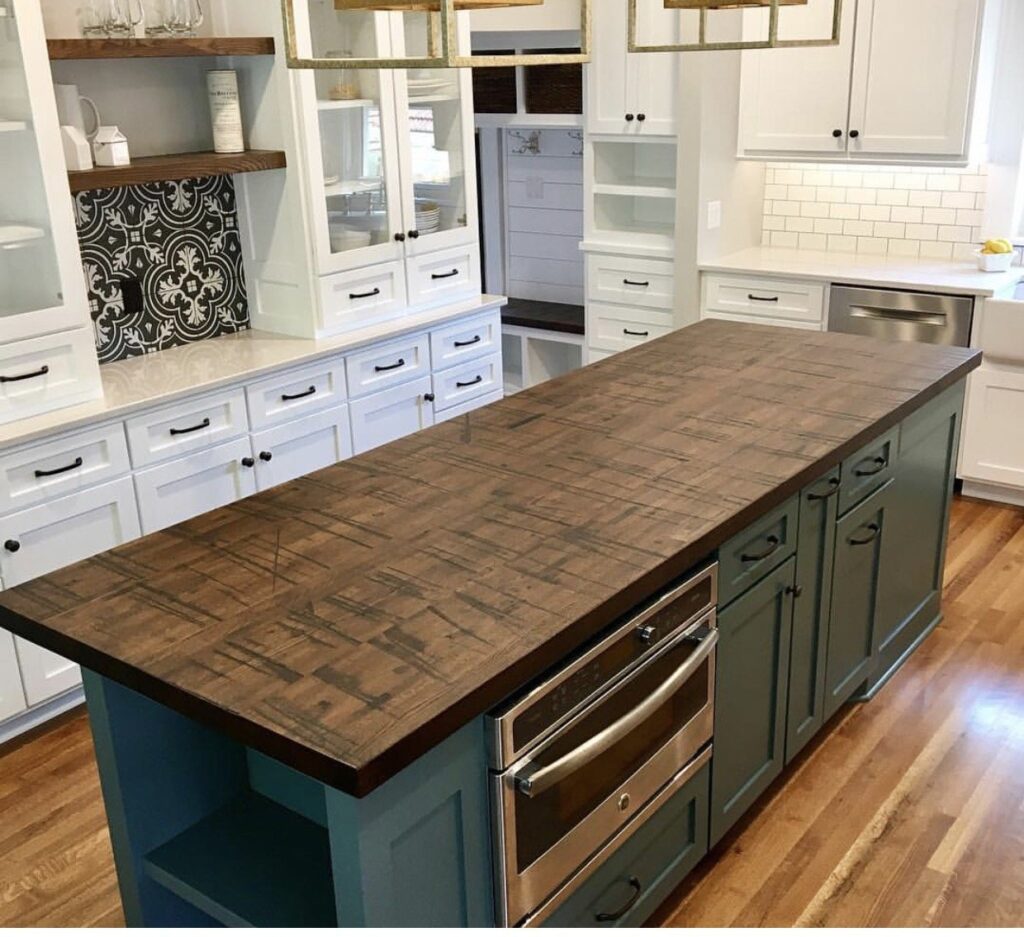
[349,105]
[29,275]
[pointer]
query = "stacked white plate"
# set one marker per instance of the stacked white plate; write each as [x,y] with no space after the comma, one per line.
[428,217]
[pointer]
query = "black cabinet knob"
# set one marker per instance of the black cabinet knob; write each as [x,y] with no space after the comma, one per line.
[12,546]
[414,234]
[630,118]
[795,591]
[429,398]
[641,117]
[400,237]
[854,134]
[248,462]
[837,133]
[266,456]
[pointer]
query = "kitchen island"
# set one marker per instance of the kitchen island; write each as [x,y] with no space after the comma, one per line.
[287,694]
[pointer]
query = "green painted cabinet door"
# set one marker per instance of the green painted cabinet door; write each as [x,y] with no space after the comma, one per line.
[852,636]
[819,507]
[750,696]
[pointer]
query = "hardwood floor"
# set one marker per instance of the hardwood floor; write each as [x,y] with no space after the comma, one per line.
[910,812]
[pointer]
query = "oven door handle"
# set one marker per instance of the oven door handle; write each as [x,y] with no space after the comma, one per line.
[532,780]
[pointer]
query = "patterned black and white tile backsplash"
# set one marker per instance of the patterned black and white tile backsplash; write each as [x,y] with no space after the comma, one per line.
[163,265]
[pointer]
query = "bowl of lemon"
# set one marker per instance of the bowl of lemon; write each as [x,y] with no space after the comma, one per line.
[996,256]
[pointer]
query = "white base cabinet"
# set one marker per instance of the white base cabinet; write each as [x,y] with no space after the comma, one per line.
[391,414]
[44,675]
[993,445]
[292,450]
[12,694]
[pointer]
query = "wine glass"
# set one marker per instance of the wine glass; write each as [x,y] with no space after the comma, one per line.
[186,17]
[122,16]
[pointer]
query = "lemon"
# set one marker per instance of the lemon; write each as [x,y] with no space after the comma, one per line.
[997,246]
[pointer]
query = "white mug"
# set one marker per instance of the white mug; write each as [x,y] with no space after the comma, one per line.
[69,109]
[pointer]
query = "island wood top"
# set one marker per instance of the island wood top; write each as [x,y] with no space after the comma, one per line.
[347,622]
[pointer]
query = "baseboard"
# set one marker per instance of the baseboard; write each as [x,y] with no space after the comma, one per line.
[1001,494]
[872,691]
[44,712]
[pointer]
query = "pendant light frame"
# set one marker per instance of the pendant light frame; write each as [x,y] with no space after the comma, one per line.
[442,46]
[704,45]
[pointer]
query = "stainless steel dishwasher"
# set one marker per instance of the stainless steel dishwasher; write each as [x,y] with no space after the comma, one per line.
[899,316]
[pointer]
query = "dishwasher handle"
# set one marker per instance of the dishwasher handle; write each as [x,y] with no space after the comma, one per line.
[936,319]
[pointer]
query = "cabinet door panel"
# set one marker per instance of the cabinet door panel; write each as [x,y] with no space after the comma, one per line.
[608,74]
[654,76]
[811,608]
[913,76]
[792,100]
[750,697]
[852,636]
[304,446]
[390,415]
[993,443]
[45,674]
[12,695]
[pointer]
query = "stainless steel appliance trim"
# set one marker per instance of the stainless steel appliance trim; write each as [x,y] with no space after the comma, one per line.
[653,806]
[519,893]
[536,781]
[901,315]
[502,746]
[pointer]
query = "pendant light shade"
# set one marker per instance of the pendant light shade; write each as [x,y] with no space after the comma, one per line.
[702,43]
[444,44]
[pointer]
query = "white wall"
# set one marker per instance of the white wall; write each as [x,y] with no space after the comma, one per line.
[552,14]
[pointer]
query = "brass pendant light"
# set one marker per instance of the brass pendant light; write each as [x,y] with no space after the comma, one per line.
[442,35]
[704,44]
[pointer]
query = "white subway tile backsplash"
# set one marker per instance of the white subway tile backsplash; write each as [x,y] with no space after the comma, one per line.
[934,213]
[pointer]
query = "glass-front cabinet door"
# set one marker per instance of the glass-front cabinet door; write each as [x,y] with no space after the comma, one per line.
[351,140]
[437,142]
[37,232]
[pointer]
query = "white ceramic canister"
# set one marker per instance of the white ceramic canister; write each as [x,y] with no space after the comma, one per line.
[222,86]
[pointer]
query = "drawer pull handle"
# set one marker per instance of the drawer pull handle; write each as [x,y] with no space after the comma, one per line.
[191,429]
[478,380]
[638,890]
[50,473]
[390,367]
[636,334]
[880,464]
[444,276]
[474,341]
[833,489]
[248,462]
[762,299]
[373,292]
[644,283]
[773,545]
[288,398]
[12,546]
[42,372]
[875,529]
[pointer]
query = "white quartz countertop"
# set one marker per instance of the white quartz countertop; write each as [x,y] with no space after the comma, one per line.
[867,270]
[152,380]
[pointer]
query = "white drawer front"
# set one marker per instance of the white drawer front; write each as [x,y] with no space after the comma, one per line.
[356,297]
[387,365]
[186,427]
[468,381]
[391,414]
[764,320]
[44,674]
[286,397]
[65,530]
[633,281]
[616,328]
[12,694]
[468,406]
[46,373]
[464,340]
[444,276]
[307,445]
[776,299]
[201,482]
[70,463]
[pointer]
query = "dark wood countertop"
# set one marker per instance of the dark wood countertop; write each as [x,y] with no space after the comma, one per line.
[349,621]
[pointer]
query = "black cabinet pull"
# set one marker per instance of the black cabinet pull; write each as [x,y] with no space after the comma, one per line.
[630,118]
[762,299]
[773,545]
[638,890]
[414,234]
[12,546]
[373,292]
[400,237]
[191,429]
[637,282]
[429,398]
[248,462]
[444,276]
[880,464]
[837,133]
[636,334]
[875,531]
[474,341]
[400,363]
[266,456]
[42,372]
[477,380]
[641,117]
[49,473]
[833,490]
[288,398]
[854,134]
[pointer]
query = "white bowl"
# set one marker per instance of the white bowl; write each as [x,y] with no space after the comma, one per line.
[994,263]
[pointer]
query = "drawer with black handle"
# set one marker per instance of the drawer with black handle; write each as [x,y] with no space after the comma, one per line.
[867,470]
[750,556]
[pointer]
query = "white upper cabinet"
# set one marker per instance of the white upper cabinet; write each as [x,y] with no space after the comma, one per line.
[899,86]
[632,93]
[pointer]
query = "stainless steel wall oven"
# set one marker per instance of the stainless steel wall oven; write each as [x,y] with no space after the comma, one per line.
[581,758]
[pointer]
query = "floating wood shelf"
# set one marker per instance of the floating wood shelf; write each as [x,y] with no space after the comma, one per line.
[187,47]
[174,168]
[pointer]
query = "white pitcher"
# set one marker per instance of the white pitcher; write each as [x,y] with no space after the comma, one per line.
[69,109]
